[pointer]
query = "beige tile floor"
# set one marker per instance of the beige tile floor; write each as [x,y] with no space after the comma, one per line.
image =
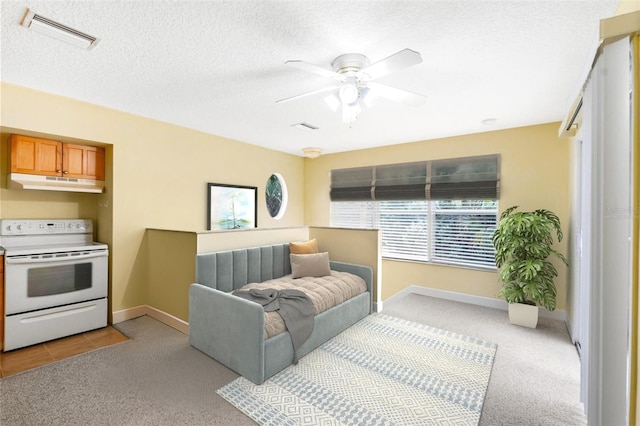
[19,360]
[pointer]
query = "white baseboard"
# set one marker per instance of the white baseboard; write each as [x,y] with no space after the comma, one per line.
[127,314]
[468,298]
[163,317]
[183,326]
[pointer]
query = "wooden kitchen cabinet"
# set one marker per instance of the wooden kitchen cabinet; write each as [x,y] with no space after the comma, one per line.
[47,157]
[82,161]
[36,156]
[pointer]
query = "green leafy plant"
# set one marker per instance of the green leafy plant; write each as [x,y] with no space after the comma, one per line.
[523,243]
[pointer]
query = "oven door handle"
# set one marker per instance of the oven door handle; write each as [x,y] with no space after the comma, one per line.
[23,260]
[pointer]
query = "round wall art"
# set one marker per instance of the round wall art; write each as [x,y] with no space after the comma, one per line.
[276,196]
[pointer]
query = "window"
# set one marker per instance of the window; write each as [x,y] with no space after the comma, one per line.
[405,228]
[441,211]
[463,231]
[456,232]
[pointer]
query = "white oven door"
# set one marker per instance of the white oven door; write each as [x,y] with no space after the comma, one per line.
[45,281]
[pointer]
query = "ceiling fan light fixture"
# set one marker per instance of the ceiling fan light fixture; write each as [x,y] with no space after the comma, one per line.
[53,29]
[355,87]
[349,64]
[350,112]
[348,94]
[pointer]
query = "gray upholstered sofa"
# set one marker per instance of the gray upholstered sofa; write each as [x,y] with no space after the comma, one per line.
[231,330]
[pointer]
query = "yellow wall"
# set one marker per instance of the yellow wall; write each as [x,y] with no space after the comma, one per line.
[235,239]
[157,175]
[534,174]
[627,6]
[359,246]
[156,178]
[172,259]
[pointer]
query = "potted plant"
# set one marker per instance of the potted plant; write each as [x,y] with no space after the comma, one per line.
[523,243]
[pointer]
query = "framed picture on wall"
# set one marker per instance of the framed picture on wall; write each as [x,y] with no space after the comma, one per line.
[231,206]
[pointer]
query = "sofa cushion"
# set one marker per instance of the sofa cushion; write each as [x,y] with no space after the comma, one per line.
[304,247]
[310,265]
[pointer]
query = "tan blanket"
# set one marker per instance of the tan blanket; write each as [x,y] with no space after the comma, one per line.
[325,293]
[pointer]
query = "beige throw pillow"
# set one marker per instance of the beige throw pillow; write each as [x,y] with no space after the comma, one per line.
[304,247]
[310,265]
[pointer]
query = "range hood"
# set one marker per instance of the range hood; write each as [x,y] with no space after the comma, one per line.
[54,183]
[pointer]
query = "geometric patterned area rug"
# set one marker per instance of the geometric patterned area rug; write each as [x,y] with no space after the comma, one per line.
[381,371]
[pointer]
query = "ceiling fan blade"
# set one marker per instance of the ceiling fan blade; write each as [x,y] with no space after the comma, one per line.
[302,95]
[400,60]
[314,69]
[397,95]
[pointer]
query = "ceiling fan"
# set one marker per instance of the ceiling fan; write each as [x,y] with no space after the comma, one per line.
[353,84]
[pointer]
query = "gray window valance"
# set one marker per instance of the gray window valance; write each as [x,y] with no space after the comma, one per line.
[351,184]
[447,179]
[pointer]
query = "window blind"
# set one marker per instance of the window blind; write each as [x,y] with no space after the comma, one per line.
[401,181]
[356,214]
[405,230]
[457,178]
[465,178]
[463,231]
[351,184]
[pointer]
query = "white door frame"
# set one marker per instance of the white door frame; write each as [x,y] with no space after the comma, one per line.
[606,237]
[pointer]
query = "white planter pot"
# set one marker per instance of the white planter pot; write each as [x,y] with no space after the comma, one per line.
[524,315]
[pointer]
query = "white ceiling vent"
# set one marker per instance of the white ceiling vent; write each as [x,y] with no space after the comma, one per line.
[304,125]
[58,31]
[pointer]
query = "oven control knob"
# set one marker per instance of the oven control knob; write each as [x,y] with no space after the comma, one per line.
[9,228]
[20,227]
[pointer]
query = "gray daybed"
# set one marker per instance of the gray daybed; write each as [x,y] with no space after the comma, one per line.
[231,330]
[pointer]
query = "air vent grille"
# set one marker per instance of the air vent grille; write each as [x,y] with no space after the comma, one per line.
[304,125]
[58,31]
[61,27]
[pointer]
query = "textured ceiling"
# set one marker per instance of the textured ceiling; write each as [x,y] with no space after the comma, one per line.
[218,66]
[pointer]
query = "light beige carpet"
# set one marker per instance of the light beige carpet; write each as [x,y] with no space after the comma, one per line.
[536,373]
[156,378]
